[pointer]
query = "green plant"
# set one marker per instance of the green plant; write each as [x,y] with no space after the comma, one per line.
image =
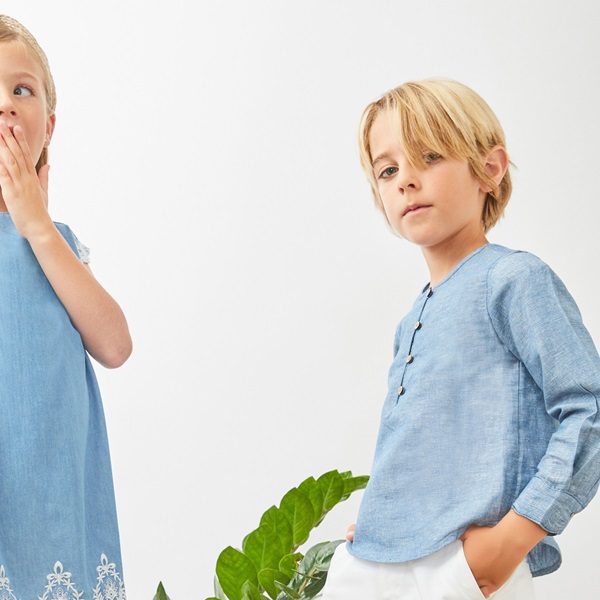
[269,564]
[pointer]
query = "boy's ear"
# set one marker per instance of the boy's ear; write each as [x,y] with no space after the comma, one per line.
[496,163]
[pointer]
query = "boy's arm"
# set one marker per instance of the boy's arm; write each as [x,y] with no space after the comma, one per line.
[98,318]
[493,553]
[538,321]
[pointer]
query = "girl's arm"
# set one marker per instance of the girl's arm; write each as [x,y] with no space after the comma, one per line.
[98,318]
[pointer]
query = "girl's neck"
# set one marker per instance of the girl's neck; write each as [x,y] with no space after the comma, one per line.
[442,260]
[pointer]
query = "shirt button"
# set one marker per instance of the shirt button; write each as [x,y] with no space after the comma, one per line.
[400,390]
[409,359]
[429,292]
[418,325]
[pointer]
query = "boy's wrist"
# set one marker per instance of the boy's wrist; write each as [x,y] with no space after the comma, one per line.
[519,533]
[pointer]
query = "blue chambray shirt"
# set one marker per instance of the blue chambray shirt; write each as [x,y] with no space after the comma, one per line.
[492,405]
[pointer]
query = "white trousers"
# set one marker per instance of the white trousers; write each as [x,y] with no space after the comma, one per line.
[444,575]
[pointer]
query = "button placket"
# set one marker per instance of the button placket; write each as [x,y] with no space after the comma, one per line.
[410,358]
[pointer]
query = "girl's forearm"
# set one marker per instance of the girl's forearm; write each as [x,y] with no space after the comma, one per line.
[96,315]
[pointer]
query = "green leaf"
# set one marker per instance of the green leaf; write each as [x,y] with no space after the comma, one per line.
[251,592]
[267,579]
[263,547]
[325,554]
[282,526]
[219,593]
[299,511]
[287,593]
[288,565]
[352,484]
[233,570]
[312,570]
[161,594]
[311,488]
[332,486]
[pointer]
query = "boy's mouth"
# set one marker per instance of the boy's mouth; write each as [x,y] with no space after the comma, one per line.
[415,208]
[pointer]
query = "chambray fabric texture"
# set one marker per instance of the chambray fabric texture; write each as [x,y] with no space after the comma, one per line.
[58,526]
[497,408]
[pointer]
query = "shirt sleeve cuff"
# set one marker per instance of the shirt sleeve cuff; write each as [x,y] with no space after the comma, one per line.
[551,509]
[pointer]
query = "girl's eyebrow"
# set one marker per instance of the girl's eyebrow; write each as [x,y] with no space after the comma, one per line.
[25,75]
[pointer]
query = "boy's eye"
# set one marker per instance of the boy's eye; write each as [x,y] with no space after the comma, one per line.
[388,172]
[431,157]
[23,90]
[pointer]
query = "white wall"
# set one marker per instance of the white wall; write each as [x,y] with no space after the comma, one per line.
[206,152]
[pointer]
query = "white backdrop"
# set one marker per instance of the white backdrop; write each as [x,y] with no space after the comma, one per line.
[206,152]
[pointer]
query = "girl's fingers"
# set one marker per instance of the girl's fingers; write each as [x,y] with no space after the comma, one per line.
[10,151]
[20,149]
[19,160]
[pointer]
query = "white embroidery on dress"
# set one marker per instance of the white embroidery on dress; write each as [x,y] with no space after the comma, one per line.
[60,586]
[5,592]
[110,585]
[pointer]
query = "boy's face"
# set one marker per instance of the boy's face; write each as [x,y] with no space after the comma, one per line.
[431,206]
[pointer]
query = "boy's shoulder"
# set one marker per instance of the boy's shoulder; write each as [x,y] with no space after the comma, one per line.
[507,263]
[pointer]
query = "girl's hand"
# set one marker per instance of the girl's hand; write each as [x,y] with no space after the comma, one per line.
[24,191]
[350,533]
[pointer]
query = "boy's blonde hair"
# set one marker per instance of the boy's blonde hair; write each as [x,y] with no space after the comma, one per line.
[445,117]
[12,30]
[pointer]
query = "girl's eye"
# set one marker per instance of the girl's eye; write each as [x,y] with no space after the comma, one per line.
[23,90]
[431,157]
[388,172]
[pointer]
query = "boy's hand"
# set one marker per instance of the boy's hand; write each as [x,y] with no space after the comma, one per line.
[24,192]
[490,561]
[493,553]
[350,533]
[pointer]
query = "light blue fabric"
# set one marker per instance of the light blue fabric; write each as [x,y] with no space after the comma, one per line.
[498,409]
[58,527]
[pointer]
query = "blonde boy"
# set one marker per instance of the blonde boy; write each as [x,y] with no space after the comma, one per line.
[489,439]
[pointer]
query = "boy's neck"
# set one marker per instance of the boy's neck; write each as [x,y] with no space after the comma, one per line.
[442,259]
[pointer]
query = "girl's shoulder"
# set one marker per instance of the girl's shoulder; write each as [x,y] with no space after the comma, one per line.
[81,250]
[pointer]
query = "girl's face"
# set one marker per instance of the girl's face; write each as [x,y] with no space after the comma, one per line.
[22,97]
[438,203]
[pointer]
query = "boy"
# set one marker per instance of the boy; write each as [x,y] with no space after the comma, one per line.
[489,441]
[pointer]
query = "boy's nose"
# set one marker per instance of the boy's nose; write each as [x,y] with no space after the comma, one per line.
[406,179]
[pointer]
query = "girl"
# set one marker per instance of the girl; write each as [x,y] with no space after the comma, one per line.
[58,527]
[489,439]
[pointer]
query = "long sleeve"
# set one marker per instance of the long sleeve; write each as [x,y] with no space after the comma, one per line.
[534,315]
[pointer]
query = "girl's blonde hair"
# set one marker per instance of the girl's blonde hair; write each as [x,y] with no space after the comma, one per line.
[445,117]
[12,30]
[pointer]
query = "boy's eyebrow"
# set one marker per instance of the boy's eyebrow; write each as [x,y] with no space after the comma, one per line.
[380,157]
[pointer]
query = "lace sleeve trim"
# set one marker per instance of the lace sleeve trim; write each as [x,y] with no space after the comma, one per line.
[83,252]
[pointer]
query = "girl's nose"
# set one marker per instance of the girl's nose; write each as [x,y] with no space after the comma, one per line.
[7,105]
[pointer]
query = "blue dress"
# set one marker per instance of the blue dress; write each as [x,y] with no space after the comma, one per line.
[59,538]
